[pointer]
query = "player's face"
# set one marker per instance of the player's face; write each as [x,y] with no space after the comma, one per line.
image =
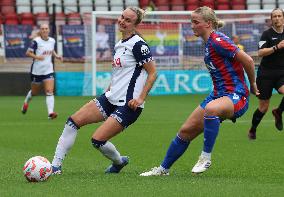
[126,22]
[277,18]
[44,31]
[198,25]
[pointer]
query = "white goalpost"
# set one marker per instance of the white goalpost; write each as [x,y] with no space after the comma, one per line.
[177,52]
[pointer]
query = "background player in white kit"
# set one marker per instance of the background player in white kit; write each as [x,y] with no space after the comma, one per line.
[133,75]
[42,71]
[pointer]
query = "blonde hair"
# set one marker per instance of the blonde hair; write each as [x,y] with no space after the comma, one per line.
[140,14]
[209,15]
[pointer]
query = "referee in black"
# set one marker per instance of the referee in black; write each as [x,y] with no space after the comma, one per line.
[270,74]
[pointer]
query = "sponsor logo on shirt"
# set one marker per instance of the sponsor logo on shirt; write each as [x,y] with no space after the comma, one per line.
[206,52]
[235,96]
[116,62]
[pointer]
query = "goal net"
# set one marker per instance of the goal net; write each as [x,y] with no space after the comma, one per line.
[177,52]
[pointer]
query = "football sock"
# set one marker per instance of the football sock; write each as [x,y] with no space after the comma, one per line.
[211,129]
[28,97]
[175,150]
[65,142]
[281,106]
[256,118]
[50,103]
[207,155]
[108,150]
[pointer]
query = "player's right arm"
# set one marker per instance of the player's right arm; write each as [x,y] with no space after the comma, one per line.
[31,49]
[248,65]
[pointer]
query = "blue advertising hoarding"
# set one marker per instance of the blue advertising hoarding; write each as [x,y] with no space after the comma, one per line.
[168,82]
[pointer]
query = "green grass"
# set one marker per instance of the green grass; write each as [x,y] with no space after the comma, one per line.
[240,167]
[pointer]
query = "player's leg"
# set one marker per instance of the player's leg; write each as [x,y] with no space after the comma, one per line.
[100,138]
[48,85]
[265,87]
[89,113]
[35,89]
[120,118]
[277,112]
[191,128]
[215,111]
[258,114]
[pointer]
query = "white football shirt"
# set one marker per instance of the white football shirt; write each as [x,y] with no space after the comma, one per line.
[128,75]
[44,48]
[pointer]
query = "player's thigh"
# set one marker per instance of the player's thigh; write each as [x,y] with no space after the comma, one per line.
[108,129]
[87,114]
[35,87]
[48,85]
[193,125]
[222,107]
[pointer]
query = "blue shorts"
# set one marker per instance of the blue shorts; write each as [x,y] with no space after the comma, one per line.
[123,114]
[240,102]
[41,78]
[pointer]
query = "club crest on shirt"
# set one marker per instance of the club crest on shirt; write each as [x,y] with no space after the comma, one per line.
[144,50]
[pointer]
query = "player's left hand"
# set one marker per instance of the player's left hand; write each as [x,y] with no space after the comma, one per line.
[134,103]
[254,90]
[280,45]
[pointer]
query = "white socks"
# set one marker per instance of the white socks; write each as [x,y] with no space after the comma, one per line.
[206,155]
[28,97]
[110,152]
[64,144]
[50,103]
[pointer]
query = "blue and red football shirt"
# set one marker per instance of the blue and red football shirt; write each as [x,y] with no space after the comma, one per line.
[227,74]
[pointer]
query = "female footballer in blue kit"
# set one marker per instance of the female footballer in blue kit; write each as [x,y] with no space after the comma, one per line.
[228,100]
[133,75]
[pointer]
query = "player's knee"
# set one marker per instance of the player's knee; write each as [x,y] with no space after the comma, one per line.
[49,93]
[263,108]
[97,143]
[211,110]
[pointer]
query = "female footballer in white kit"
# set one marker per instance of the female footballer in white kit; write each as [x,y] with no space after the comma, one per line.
[42,71]
[133,75]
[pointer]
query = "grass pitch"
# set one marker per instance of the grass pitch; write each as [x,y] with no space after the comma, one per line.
[239,167]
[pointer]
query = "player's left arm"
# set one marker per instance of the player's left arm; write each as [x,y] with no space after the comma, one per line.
[57,56]
[248,65]
[150,68]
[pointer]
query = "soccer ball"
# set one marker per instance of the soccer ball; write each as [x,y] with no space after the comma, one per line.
[37,169]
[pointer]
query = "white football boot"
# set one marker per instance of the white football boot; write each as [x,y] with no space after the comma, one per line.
[202,165]
[156,171]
